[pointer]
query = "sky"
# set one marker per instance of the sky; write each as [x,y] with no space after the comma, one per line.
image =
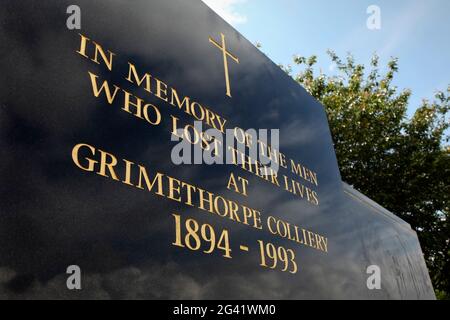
[417,32]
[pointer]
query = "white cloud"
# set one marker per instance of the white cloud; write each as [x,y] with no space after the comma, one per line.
[404,26]
[227,10]
[332,67]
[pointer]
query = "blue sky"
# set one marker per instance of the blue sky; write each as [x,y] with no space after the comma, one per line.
[415,31]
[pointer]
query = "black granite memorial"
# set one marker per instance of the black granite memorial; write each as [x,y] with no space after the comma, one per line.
[90,124]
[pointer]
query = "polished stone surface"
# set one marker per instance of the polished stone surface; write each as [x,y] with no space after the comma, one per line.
[52,214]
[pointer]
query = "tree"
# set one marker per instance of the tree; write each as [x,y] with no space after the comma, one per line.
[403,164]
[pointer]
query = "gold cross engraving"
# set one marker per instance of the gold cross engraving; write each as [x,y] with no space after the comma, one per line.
[226,54]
